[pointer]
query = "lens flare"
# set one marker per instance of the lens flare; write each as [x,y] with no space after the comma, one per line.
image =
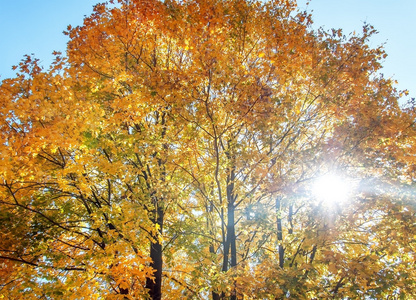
[331,189]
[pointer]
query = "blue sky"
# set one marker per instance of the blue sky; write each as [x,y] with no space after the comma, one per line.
[395,20]
[35,26]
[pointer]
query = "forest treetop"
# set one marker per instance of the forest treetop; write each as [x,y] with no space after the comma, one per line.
[171,153]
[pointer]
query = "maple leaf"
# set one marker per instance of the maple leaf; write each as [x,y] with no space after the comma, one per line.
[179,140]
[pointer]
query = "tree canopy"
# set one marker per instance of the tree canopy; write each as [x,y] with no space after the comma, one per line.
[174,153]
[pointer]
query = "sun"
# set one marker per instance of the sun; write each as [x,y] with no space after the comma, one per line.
[331,189]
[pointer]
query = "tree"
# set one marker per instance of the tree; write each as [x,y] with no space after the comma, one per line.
[171,153]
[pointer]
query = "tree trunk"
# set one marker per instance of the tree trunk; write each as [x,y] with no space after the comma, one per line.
[231,239]
[210,209]
[280,233]
[155,285]
[229,244]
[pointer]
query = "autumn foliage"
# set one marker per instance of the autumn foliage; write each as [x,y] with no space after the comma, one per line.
[171,154]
